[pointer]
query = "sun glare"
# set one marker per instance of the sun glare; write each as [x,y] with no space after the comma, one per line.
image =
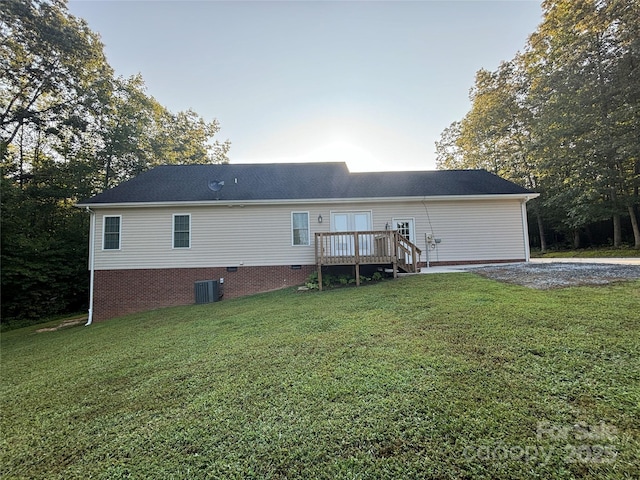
[357,158]
[364,146]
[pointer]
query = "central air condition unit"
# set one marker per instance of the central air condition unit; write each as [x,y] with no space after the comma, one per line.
[207,291]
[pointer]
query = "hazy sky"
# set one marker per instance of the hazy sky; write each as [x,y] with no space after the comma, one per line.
[369,83]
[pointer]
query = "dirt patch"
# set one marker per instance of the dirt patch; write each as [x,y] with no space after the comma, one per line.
[72,322]
[559,275]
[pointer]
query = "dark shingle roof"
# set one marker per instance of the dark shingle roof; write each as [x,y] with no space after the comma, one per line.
[303,181]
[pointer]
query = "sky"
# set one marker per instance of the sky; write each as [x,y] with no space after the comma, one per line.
[372,84]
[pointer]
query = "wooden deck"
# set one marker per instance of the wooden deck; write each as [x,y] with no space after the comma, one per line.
[384,247]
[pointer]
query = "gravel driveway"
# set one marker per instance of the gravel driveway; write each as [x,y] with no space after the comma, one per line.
[558,275]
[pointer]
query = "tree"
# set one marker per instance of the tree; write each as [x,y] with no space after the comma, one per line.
[495,135]
[69,129]
[53,72]
[44,247]
[563,118]
[626,117]
[138,133]
[583,113]
[449,155]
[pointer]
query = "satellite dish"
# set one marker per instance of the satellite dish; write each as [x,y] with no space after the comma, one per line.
[215,185]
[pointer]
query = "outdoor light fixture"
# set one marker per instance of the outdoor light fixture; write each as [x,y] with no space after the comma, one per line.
[319,218]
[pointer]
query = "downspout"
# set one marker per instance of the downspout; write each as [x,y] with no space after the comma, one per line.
[525,230]
[92,242]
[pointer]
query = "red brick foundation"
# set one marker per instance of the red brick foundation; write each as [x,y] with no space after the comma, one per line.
[119,292]
[469,262]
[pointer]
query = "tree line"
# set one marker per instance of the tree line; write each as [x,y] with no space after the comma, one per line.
[69,129]
[563,118]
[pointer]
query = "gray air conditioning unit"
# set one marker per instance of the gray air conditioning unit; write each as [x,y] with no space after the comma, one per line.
[208,291]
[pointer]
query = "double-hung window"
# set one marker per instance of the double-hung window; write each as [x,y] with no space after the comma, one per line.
[111,233]
[182,231]
[300,228]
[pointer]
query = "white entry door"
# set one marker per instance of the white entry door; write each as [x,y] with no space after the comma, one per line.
[406,228]
[351,222]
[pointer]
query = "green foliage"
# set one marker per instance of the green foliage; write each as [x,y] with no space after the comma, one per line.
[69,129]
[327,280]
[312,281]
[139,133]
[406,379]
[54,72]
[343,280]
[562,118]
[44,251]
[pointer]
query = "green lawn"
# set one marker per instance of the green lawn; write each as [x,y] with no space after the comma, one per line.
[430,376]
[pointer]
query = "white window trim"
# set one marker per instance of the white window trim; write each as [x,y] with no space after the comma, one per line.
[173,231]
[104,227]
[308,230]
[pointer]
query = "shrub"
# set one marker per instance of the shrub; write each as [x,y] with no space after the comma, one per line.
[329,280]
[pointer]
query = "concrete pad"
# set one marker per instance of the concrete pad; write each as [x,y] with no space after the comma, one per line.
[466,268]
[445,269]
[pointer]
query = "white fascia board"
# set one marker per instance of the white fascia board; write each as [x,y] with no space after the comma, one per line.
[298,201]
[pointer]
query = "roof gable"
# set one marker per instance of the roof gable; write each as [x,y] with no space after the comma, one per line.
[300,181]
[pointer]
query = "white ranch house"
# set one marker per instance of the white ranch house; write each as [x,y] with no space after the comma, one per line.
[266,226]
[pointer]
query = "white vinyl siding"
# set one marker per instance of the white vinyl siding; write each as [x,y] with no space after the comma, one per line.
[111,232]
[182,231]
[470,230]
[300,228]
[261,235]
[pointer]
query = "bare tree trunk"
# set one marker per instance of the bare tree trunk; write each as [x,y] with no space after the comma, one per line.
[535,207]
[632,207]
[37,149]
[617,230]
[543,242]
[107,171]
[576,238]
[634,226]
[21,161]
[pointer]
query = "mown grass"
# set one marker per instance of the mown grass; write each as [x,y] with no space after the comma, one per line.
[431,376]
[55,320]
[589,253]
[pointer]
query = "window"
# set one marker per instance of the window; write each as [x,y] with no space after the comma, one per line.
[111,235]
[181,231]
[300,228]
[405,227]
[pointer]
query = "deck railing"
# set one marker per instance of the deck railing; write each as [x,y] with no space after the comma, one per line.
[366,248]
